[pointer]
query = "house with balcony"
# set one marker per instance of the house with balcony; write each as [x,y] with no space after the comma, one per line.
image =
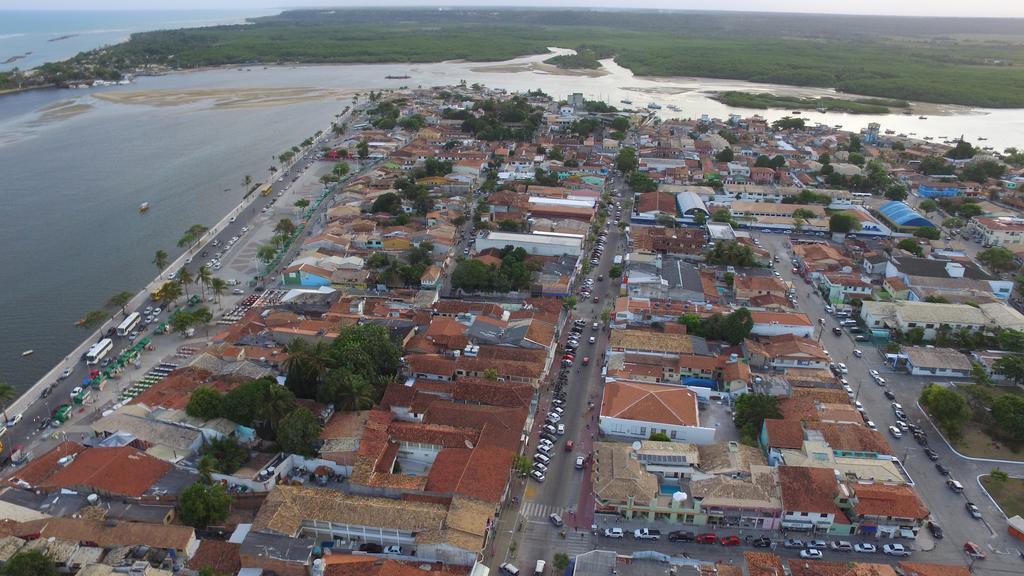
[840,288]
[887,511]
[812,501]
[785,351]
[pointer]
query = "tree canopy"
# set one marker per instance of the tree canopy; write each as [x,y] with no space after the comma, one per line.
[731,253]
[297,432]
[29,563]
[998,258]
[201,505]
[750,412]
[843,223]
[947,407]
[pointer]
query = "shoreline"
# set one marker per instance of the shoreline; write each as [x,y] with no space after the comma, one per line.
[72,359]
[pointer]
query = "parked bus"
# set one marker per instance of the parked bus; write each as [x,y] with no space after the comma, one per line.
[99,351]
[62,415]
[129,324]
[267,190]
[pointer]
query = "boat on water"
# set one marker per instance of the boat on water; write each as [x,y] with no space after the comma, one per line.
[907,112]
[982,138]
[654,106]
[27,352]
[795,112]
[890,131]
[391,77]
[922,117]
[927,137]
[626,101]
[673,107]
[144,206]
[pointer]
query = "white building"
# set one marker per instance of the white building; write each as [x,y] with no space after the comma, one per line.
[534,244]
[635,410]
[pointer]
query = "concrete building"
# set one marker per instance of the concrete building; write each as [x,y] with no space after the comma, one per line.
[944,362]
[636,410]
[534,244]
[997,231]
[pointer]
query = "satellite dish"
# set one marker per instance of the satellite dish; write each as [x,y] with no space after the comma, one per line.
[679,496]
[637,445]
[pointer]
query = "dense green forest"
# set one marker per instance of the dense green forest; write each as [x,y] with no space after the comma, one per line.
[764,101]
[962,61]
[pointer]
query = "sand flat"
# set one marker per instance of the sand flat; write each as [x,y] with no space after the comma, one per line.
[223,97]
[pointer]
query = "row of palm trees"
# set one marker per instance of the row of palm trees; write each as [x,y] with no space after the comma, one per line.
[173,289]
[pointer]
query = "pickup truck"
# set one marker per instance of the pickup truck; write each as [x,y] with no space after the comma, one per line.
[646,534]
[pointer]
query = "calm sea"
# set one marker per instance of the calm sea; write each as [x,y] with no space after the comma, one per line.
[29,38]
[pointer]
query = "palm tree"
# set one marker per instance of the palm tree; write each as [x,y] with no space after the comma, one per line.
[160,259]
[185,278]
[355,394]
[7,393]
[192,235]
[203,278]
[92,319]
[266,253]
[120,300]
[218,286]
[170,292]
[246,181]
[278,403]
[285,226]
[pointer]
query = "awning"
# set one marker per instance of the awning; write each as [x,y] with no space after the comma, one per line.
[798,525]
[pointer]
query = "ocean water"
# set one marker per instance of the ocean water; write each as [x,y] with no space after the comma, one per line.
[29,38]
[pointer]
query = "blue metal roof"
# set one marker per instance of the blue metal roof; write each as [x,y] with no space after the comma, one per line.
[901,214]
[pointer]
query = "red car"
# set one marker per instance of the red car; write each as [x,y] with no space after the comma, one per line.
[730,541]
[708,538]
[597,299]
[586,360]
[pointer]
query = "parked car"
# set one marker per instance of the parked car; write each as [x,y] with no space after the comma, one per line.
[793,543]
[680,536]
[811,553]
[707,538]
[942,469]
[841,546]
[613,533]
[646,534]
[931,454]
[538,475]
[371,548]
[935,530]
[973,510]
[974,551]
[730,541]
[555,519]
[865,547]
[817,544]
[895,550]
[896,432]
[762,542]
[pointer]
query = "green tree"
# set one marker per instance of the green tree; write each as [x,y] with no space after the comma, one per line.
[266,253]
[285,226]
[205,403]
[363,149]
[750,412]
[169,292]
[490,374]
[665,220]
[92,319]
[691,321]
[301,203]
[160,260]
[804,213]
[1008,414]
[615,271]
[1011,366]
[928,233]
[843,223]
[246,181]
[947,407]
[560,562]
[626,160]
[218,286]
[522,465]
[29,563]
[388,202]
[998,258]
[228,455]
[203,278]
[998,475]
[184,278]
[569,302]
[953,222]
[297,431]
[725,155]
[659,437]
[7,393]
[201,505]
[620,123]
[854,145]
[192,235]
[722,215]
[896,191]
[928,206]
[732,254]
[120,300]
[348,391]
[932,165]
[700,218]
[962,151]
[911,246]
[259,404]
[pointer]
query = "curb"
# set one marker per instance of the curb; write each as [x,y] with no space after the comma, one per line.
[989,496]
[955,451]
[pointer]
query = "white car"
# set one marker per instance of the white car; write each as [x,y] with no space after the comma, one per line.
[65,373]
[811,553]
[895,550]
[864,547]
[842,368]
[13,420]
[233,218]
[896,432]
[545,442]
[537,475]
[874,373]
[560,430]
[613,533]
[554,417]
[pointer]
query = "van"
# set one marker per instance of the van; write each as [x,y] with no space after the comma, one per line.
[539,568]
[955,486]
[509,569]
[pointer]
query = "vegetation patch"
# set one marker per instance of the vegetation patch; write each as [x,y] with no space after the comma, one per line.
[765,101]
[1007,492]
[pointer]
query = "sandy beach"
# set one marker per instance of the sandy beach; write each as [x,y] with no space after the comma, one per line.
[224,97]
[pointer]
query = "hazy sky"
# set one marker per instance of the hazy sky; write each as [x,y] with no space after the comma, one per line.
[987,8]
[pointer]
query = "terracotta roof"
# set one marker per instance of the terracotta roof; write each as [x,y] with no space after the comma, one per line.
[617,476]
[124,471]
[784,433]
[445,326]
[479,473]
[764,564]
[650,403]
[433,434]
[499,426]
[176,389]
[42,467]
[508,368]
[491,393]
[809,490]
[223,557]
[110,534]
[654,341]
[368,565]
[431,364]
[926,569]
[852,437]
[883,500]
[784,318]
[823,568]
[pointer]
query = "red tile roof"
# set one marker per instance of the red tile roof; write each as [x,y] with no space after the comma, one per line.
[883,500]
[175,391]
[672,405]
[480,473]
[784,433]
[223,557]
[41,468]
[123,471]
[809,490]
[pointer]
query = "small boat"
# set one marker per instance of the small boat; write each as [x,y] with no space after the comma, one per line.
[390,77]
[795,112]
[626,101]
[144,206]
[982,138]
[654,106]
[890,131]
[27,352]
[922,117]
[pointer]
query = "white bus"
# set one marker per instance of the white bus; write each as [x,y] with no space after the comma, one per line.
[129,324]
[98,351]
